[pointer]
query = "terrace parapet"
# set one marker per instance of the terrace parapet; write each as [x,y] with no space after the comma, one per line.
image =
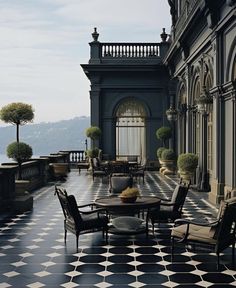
[110,52]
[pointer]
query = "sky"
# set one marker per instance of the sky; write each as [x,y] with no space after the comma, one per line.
[43,43]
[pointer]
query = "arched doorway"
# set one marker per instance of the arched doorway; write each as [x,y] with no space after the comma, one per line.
[131,130]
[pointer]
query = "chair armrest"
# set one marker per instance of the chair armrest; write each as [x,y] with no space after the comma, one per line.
[94,211]
[185,221]
[86,205]
[164,199]
[167,204]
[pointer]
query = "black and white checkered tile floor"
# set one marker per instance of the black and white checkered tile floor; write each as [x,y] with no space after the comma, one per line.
[33,254]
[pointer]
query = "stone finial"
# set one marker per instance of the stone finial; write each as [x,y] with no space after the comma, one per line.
[163,35]
[95,34]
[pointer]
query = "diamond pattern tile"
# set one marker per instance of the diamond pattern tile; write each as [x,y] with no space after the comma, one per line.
[33,253]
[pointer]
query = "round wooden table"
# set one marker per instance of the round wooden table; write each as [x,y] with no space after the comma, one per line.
[117,208]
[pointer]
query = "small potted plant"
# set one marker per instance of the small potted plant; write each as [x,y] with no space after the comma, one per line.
[187,164]
[129,195]
[168,159]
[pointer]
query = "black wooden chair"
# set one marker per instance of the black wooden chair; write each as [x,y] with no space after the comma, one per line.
[170,209]
[219,234]
[138,171]
[98,170]
[118,183]
[80,222]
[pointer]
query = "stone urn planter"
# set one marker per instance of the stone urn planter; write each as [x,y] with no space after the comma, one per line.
[23,201]
[168,162]
[187,164]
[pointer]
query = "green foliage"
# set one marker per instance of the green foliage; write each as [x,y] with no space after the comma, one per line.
[17,113]
[93,132]
[164,133]
[187,162]
[168,154]
[159,152]
[19,151]
[92,153]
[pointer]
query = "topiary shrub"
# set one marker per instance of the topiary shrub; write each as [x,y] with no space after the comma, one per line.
[168,154]
[164,133]
[19,151]
[159,152]
[187,162]
[92,153]
[93,132]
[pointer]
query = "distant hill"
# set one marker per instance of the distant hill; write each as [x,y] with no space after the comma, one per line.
[46,138]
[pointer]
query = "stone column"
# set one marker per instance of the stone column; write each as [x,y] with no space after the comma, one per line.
[217,181]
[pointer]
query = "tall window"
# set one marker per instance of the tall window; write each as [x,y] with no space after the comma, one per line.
[234,70]
[182,121]
[130,130]
[197,129]
[208,83]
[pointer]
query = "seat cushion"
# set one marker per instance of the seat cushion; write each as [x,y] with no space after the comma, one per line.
[196,233]
[165,213]
[92,221]
[127,223]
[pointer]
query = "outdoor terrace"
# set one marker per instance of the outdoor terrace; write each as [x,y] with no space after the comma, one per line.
[33,254]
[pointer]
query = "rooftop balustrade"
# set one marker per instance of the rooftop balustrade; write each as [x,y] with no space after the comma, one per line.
[129,50]
[105,52]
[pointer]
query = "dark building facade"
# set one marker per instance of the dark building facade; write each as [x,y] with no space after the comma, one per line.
[202,59]
[139,82]
[129,92]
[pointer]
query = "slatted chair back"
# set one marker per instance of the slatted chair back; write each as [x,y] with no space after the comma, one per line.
[179,195]
[225,231]
[69,208]
[120,183]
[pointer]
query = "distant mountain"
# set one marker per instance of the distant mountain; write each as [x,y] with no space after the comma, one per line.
[46,138]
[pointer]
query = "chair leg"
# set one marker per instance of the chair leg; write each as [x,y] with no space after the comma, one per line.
[172,249]
[218,260]
[233,253]
[106,233]
[77,243]
[65,234]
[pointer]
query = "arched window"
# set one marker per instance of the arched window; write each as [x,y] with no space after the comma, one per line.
[130,130]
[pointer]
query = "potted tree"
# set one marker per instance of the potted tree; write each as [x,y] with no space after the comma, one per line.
[19,114]
[168,159]
[164,133]
[187,164]
[20,152]
[93,133]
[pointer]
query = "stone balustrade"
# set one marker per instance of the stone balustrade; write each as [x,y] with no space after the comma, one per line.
[36,171]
